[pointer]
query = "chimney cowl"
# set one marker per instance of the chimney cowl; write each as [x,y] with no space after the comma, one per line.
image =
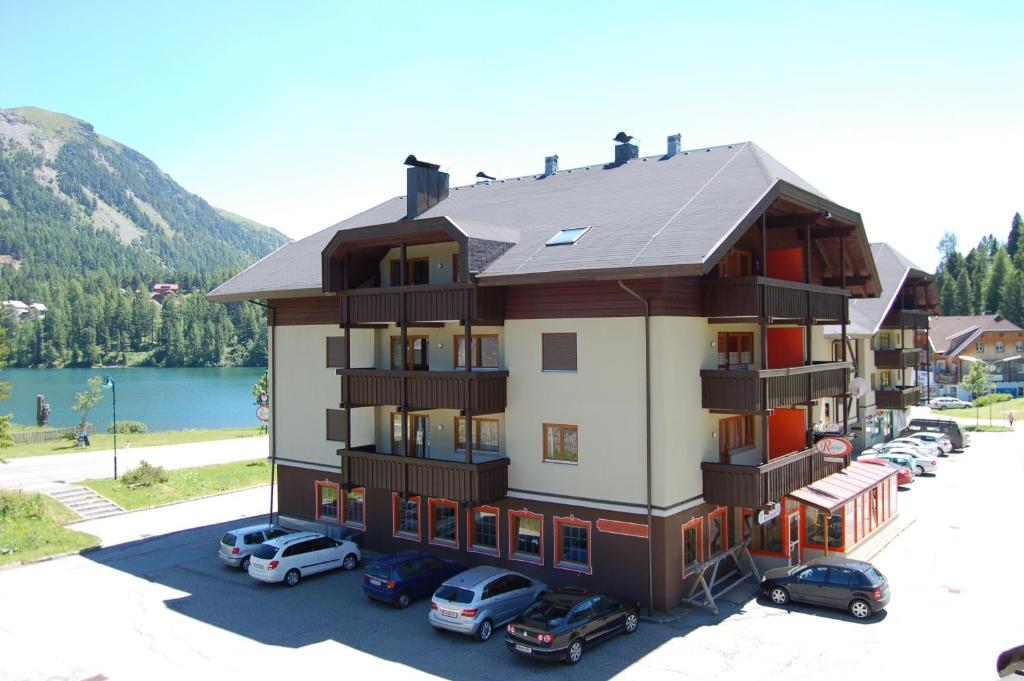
[551,164]
[426,186]
[625,150]
[675,144]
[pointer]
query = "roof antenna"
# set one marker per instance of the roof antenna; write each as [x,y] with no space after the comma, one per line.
[483,177]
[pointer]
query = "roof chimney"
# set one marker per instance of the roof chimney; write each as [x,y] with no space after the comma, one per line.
[625,151]
[551,164]
[426,186]
[675,144]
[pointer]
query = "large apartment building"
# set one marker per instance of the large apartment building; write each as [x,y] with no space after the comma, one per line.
[958,341]
[604,376]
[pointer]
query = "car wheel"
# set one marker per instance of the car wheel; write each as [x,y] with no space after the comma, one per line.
[403,600]
[350,562]
[575,652]
[920,470]
[632,622]
[292,577]
[778,595]
[860,609]
[244,565]
[484,631]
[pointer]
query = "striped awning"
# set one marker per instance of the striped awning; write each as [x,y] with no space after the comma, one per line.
[832,492]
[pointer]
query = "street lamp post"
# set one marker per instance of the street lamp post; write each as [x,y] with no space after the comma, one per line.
[108,382]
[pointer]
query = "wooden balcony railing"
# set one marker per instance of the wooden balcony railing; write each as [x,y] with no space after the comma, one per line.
[482,392]
[947,378]
[475,483]
[760,298]
[900,398]
[905,358]
[426,303]
[758,390]
[906,319]
[753,486]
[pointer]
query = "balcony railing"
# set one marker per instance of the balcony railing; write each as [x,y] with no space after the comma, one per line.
[898,358]
[761,298]
[474,483]
[758,390]
[899,398]
[946,378]
[426,303]
[906,319]
[482,392]
[753,486]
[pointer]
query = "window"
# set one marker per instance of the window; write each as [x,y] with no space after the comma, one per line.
[692,540]
[814,528]
[443,522]
[494,588]
[567,236]
[417,271]
[717,532]
[735,350]
[979,346]
[814,575]
[767,538]
[734,433]
[1019,347]
[419,435]
[561,443]
[484,351]
[483,530]
[326,501]
[415,358]
[355,508]
[738,262]
[526,536]
[485,434]
[405,517]
[572,544]
[1000,347]
[558,351]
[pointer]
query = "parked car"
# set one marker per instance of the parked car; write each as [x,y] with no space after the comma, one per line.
[904,474]
[290,558]
[476,601]
[400,578]
[926,448]
[905,457]
[851,585]
[237,545]
[947,403]
[560,625]
[946,426]
[938,439]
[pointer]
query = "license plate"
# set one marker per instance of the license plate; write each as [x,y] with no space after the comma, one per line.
[375,582]
[523,649]
[449,613]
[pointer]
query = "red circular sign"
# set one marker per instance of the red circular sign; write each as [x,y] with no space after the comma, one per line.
[263,413]
[834,446]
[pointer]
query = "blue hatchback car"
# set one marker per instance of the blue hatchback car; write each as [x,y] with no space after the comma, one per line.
[400,578]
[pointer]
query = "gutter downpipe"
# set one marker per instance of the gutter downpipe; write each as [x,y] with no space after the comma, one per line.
[647,390]
[271,319]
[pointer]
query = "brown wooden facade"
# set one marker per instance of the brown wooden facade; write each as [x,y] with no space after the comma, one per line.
[899,398]
[422,303]
[901,358]
[756,486]
[480,392]
[755,298]
[759,390]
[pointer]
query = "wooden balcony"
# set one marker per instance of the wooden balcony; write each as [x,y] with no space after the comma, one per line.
[901,398]
[906,319]
[905,358]
[758,390]
[947,378]
[475,483]
[482,392]
[426,303]
[772,300]
[754,486]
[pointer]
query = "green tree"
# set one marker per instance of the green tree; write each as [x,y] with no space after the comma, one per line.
[1013,241]
[6,439]
[964,294]
[978,383]
[87,400]
[1013,298]
[997,278]
[262,386]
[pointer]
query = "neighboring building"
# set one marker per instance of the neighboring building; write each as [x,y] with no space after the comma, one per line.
[160,291]
[957,341]
[37,310]
[598,376]
[883,343]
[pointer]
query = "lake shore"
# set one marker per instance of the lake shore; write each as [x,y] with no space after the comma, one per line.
[104,441]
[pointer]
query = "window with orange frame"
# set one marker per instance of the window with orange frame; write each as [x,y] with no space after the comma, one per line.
[443,522]
[572,544]
[405,517]
[328,498]
[526,536]
[484,530]
[693,545]
[354,508]
[718,532]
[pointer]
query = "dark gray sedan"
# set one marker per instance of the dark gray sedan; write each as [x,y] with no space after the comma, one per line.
[851,585]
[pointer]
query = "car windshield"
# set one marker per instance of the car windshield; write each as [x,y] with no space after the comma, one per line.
[228,539]
[265,551]
[546,613]
[379,570]
[454,594]
[873,575]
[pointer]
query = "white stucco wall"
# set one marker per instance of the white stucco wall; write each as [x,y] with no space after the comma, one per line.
[440,256]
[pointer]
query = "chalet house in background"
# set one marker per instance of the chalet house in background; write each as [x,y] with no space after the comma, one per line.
[606,376]
[957,341]
[159,292]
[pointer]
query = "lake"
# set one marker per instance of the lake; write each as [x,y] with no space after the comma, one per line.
[164,399]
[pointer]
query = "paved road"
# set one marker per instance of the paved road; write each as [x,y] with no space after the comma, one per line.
[42,473]
[163,607]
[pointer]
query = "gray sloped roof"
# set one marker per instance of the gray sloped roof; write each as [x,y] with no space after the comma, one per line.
[867,314]
[651,212]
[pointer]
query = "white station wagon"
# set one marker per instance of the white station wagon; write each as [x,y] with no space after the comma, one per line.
[290,558]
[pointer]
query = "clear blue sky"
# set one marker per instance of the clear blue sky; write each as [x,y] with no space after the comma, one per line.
[299,114]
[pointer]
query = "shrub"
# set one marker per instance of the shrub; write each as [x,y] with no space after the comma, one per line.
[144,475]
[992,398]
[19,506]
[124,427]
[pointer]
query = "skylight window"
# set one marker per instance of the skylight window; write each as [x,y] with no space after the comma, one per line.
[567,236]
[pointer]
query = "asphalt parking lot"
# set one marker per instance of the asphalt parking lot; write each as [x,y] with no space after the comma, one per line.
[165,607]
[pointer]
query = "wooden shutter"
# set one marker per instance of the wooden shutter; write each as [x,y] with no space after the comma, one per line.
[558,351]
[336,352]
[336,425]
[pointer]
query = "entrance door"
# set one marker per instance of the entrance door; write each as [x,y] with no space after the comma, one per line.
[419,440]
[795,558]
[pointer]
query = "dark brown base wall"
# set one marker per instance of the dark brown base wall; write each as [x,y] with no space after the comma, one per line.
[618,557]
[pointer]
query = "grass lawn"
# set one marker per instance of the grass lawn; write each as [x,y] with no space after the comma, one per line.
[1015,405]
[31,527]
[988,429]
[186,483]
[104,441]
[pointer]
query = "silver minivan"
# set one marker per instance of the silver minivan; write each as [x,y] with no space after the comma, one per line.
[476,601]
[237,545]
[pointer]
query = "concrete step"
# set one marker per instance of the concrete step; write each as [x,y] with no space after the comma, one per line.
[85,502]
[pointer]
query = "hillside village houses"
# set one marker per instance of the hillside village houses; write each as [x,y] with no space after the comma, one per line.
[607,376]
[956,342]
[17,310]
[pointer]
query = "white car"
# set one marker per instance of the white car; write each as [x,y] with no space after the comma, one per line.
[926,448]
[947,403]
[294,556]
[937,439]
[920,464]
[237,545]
